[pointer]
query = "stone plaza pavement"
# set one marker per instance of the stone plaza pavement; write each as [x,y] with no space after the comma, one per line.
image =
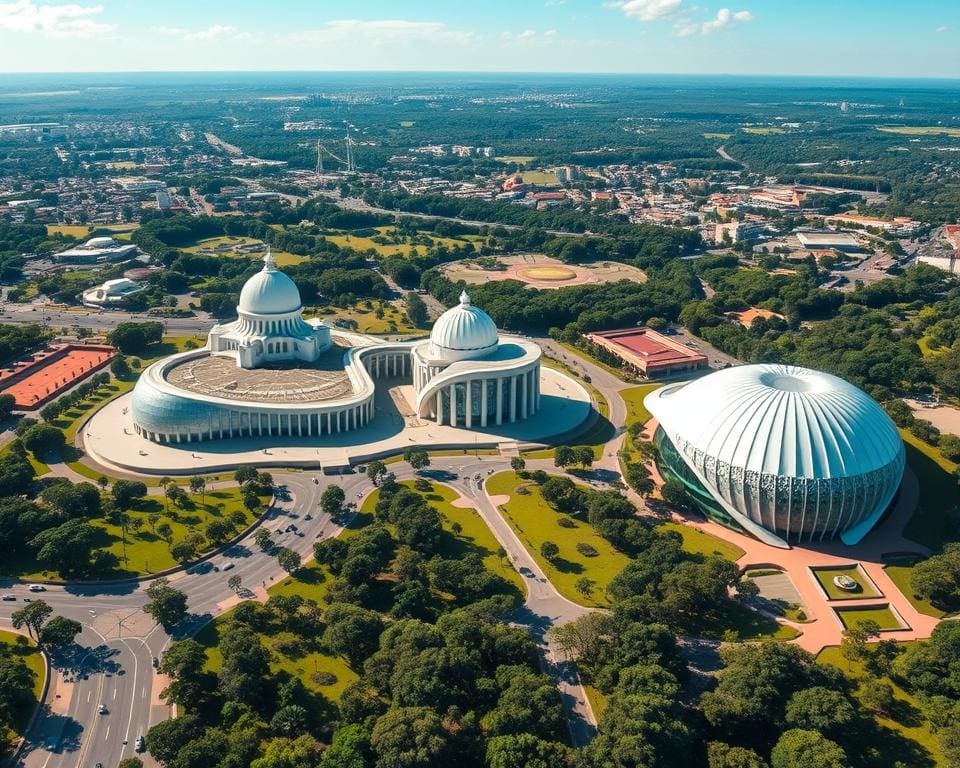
[109,437]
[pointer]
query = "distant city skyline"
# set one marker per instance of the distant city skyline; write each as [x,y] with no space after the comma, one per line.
[879,38]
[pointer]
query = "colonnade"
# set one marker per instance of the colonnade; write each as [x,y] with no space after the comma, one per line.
[386,364]
[515,396]
[234,424]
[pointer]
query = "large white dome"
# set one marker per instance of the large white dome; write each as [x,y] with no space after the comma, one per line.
[792,450]
[464,331]
[269,292]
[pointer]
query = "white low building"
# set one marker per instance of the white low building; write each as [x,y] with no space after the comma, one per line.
[98,249]
[271,373]
[111,292]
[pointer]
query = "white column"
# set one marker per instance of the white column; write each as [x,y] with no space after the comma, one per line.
[468,404]
[523,396]
[483,403]
[453,405]
[439,407]
[513,399]
[499,401]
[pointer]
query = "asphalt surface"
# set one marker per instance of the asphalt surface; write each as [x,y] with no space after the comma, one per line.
[112,661]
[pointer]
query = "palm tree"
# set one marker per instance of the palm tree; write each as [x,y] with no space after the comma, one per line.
[164,482]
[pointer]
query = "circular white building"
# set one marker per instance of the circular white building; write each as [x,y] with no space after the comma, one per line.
[271,373]
[788,454]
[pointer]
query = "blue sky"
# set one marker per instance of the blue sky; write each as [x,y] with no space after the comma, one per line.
[796,37]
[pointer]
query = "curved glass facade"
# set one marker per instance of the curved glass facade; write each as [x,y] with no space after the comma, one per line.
[794,508]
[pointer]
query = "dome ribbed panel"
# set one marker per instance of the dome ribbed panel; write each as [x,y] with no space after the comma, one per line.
[464,328]
[269,293]
[783,421]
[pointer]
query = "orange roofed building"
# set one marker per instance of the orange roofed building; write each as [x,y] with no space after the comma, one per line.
[648,352]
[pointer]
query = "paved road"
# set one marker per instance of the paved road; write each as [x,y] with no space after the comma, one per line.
[112,661]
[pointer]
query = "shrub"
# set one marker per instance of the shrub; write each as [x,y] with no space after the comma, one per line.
[586,550]
[566,522]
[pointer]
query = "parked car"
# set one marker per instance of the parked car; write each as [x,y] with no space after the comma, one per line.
[37,588]
[227,567]
[8,598]
[139,745]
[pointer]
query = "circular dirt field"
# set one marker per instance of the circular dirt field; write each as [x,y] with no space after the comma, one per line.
[551,273]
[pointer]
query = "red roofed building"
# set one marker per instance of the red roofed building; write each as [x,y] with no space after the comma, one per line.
[648,352]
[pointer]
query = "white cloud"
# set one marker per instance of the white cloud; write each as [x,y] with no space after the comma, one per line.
[725,19]
[648,10]
[66,20]
[213,32]
[526,34]
[941,30]
[381,32]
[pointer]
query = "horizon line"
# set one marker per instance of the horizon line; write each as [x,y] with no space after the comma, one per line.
[503,72]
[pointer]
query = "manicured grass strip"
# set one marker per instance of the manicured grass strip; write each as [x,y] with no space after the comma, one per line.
[536,522]
[930,523]
[27,650]
[699,543]
[853,616]
[825,577]
[633,398]
[901,576]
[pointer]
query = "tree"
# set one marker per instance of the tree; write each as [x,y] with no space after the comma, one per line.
[130,762]
[282,752]
[549,550]
[584,586]
[288,559]
[127,492]
[134,338]
[853,641]
[234,582]
[820,709]
[120,368]
[938,577]
[44,441]
[198,484]
[416,458]
[564,456]
[250,500]
[720,755]
[32,616]
[66,547]
[877,696]
[183,663]
[350,748]
[16,688]
[59,631]
[584,454]
[165,532]
[167,605]
[810,749]
[416,310]
[219,531]
[168,737]
[675,494]
[352,632]
[244,475]
[290,720]
[525,750]
[332,500]
[7,403]
[411,737]
[376,471]
[518,464]
[262,539]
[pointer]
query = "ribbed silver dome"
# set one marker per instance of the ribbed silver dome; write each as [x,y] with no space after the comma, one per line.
[772,440]
[269,292]
[464,329]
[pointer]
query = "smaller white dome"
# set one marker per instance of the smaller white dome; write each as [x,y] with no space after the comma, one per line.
[463,332]
[269,292]
[101,242]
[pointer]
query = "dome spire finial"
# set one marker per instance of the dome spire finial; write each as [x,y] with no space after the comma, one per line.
[268,261]
[464,298]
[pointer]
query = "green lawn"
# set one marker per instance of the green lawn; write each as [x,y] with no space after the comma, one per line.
[535,522]
[26,649]
[633,398]
[825,577]
[303,663]
[852,616]
[938,492]
[699,543]
[901,576]
[146,552]
[902,738]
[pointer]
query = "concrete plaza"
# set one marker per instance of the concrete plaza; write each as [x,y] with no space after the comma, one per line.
[109,437]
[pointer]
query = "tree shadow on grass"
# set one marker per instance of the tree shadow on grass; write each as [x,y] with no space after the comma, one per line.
[567,566]
[878,745]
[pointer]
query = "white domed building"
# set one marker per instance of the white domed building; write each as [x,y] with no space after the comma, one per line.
[270,373]
[270,327]
[788,454]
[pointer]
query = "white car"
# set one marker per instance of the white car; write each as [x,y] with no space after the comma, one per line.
[138,745]
[227,567]
[37,588]
[102,709]
[8,598]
